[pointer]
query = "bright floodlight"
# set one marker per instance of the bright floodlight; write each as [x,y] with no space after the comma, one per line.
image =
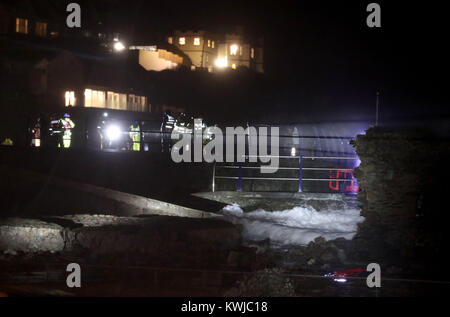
[221,62]
[118,46]
[113,132]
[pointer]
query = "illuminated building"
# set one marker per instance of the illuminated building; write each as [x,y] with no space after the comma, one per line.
[213,51]
[201,47]
[157,58]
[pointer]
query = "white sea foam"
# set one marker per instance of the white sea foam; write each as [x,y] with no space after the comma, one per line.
[296,226]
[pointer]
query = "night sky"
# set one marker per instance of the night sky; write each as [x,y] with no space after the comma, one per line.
[320,54]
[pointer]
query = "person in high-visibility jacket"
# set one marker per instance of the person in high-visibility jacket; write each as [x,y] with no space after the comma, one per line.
[66,126]
[135,135]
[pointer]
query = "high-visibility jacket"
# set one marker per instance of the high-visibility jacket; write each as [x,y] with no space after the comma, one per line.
[135,135]
[67,125]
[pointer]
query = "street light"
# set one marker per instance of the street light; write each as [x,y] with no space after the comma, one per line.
[118,46]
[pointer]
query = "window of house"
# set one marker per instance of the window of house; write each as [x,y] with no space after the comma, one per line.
[22,26]
[182,41]
[143,103]
[41,29]
[209,43]
[94,98]
[170,40]
[196,41]
[233,49]
[240,50]
[116,101]
[212,44]
[252,53]
[69,97]
[131,103]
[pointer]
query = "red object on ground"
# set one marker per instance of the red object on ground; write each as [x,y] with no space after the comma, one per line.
[349,272]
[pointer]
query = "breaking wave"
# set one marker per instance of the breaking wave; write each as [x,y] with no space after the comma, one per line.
[296,226]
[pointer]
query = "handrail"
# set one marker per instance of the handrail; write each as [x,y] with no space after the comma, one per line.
[300,168]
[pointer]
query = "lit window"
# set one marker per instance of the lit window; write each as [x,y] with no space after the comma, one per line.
[209,43]
[41,29]
[170,40]
[240,50]
[144,103]
[212,44]
[70,98]
[233,66]
[252,53]
[21,26]
[116,101]
[196,41]
[234,49]
[94,98]
[182,41]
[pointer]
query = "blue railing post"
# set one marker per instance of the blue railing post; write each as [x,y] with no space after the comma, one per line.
[240,178]
[300,173]
[214,178]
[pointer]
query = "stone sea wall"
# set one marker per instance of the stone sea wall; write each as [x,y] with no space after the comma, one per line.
[403,178]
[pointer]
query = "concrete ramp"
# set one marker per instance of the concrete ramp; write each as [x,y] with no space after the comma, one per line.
[25,192]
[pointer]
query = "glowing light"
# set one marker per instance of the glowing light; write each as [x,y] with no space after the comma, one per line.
[340,280]
[70,98]
[234,49]
[182,41]
[293,152]
[118,46]
[222,62]
[113,132]
[105,114]
[233,66]
[196,41]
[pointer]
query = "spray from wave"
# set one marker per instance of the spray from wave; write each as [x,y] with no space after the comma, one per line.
[296,226]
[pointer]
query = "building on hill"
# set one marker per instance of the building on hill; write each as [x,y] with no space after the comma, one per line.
[214,51]
[200,46]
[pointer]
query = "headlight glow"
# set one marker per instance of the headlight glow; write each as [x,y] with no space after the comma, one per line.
[113,132]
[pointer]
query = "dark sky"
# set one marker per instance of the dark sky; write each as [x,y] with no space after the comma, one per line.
[320,56]
[321,53]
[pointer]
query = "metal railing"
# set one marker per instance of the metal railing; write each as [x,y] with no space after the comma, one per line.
[300,179]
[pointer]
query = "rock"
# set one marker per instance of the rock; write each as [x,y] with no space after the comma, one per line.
[260,246]
[233,258]
[10,252]
[326,266]
[30,235]
[327,257]
[266,283]
[320,241]
[341,255]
